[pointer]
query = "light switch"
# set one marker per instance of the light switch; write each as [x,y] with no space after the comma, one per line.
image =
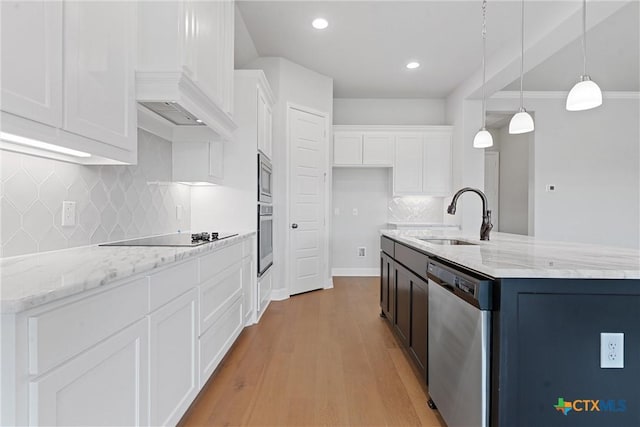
[336,211]
[179,211]
[355,212]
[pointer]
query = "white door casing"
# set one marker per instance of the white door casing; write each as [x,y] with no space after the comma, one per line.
[307,203]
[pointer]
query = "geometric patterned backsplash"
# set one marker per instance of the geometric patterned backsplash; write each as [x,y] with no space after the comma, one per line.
[416,209]
[112,202]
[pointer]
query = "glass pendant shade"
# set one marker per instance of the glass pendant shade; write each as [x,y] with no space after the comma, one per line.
[521,122]
[585,95]
[483,139]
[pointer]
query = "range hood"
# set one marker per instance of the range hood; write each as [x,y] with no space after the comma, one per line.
[180,102]
[174,112]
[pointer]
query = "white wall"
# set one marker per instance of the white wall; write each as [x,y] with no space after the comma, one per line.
[468,163]
[514,180]
[352,111]
[367,190]
[291,83]
[593,159]
[244,50]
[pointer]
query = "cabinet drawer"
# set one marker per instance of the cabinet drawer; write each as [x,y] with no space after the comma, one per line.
[387,245]
[59,334]
[214,263]
[217,340]
[413,260]
[217,292]
[170,283]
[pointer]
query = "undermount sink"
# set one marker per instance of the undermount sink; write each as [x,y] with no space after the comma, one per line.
[447,242]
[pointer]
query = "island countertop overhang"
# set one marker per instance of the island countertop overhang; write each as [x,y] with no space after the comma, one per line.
[516,256]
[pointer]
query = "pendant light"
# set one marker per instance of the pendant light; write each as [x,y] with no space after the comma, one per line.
[521,122]
[586,94]
[483,138]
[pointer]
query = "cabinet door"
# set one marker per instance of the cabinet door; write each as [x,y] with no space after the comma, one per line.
[106,385]
[268,131]
[377,149]
[384,283]
[407,170]
[347,148]
[261,122]
[419,325]
[99,77]
[437,164]
[173,359]
[247,289]
[387,286]
[402,319]
[207,58]
[216,160]
[31,34]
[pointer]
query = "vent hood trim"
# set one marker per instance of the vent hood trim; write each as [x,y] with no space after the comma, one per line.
[178,87]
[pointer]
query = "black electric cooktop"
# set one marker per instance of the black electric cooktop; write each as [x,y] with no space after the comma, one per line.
[175,240]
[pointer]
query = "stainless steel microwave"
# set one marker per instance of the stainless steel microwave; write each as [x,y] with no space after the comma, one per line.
[265,178]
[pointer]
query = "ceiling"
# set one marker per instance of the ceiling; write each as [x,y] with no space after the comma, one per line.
[613,53]
[368,43]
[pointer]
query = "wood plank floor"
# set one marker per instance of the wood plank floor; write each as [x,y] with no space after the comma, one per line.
[321,358]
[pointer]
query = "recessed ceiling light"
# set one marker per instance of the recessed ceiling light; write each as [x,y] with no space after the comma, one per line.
[413,65]
[320,23]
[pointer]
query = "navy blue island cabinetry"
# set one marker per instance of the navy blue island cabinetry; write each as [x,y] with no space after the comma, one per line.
[545,360]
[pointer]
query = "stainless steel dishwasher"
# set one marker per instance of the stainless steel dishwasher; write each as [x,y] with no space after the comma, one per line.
[459,345]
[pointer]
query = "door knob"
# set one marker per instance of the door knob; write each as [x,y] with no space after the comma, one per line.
[294,225]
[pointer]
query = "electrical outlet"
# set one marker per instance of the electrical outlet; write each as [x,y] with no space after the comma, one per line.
[611,350]
[362,251]
[68,213]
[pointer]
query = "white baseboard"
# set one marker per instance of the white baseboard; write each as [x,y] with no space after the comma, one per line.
[279,294]
[329,283]
[363,272]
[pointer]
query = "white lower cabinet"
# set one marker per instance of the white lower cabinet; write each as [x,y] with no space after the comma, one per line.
[173,359]
[134,354]
[217,340]
[265,286]
[105,385]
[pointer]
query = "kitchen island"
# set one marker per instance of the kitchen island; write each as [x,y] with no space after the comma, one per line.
[547,304]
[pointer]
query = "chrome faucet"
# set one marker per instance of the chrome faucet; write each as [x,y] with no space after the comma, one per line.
[486,226]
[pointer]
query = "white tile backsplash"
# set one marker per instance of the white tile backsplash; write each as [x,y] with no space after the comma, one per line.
[112,202]
[416,209]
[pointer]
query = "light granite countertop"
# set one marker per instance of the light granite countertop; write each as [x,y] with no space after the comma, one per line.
[511,255]
[32,280]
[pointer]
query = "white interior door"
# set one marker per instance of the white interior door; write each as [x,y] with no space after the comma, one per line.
[492,184]
[307,231]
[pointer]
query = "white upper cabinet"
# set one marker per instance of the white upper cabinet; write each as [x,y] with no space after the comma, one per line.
[437,163]
[68,79]
[99,61]
[361,146]
[32,60]
[423,162]
[185,56]
[347,148]
[407,170]
[254,110]
[377,149]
